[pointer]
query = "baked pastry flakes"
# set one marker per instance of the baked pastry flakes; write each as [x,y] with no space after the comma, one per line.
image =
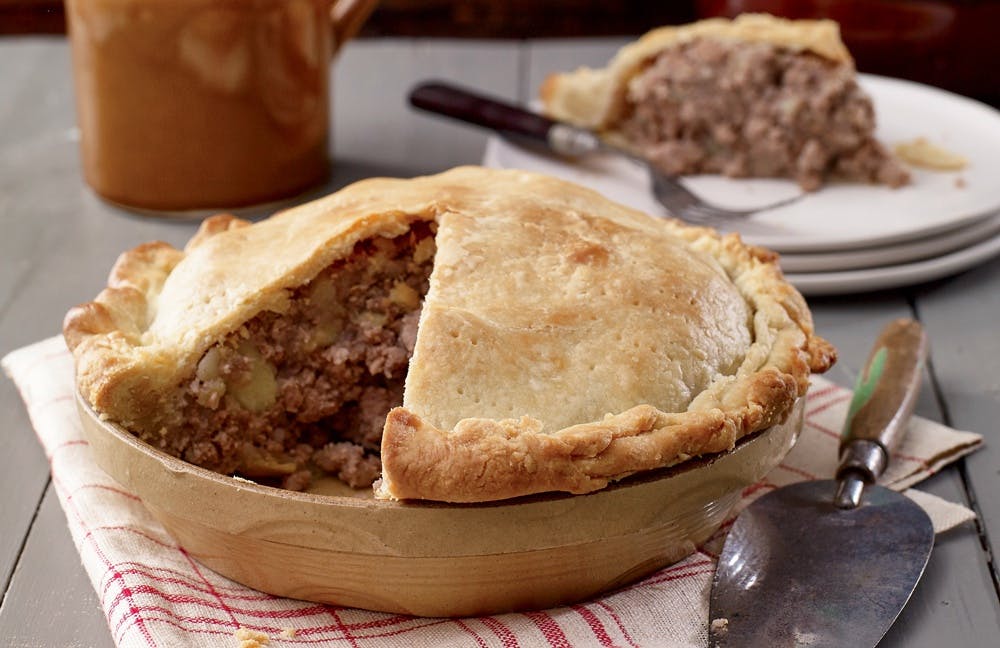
[548,340]
[755,96]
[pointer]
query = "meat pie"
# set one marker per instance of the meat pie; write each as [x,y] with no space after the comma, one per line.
[754,97]
[470,336]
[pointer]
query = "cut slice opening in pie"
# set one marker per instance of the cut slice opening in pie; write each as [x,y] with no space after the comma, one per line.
[757,96]
[471,336]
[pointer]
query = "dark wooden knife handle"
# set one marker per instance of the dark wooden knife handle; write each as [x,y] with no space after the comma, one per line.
[887,388]
[468,106]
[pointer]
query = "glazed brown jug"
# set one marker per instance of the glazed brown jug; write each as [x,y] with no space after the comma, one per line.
[205,104]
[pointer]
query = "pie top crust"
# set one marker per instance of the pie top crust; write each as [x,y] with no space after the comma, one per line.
[565,342]
[595,98]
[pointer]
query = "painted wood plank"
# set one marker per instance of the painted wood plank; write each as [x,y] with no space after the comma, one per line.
[954,604]
[51,601]
[375,129]
[24,473]
[37,86]
[31,97]
[963,317]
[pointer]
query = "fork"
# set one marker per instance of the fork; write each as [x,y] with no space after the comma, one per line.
[572,141]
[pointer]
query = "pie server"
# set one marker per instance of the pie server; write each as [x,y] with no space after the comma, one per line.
[832,563]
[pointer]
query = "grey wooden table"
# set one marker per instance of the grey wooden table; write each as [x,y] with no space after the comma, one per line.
[57,242]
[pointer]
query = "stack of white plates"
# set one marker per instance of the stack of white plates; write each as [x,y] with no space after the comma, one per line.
[846,238]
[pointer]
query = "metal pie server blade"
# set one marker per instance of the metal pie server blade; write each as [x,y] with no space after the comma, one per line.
[832,563]
[798,571]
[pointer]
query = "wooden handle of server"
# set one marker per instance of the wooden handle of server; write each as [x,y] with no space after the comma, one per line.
[887,389]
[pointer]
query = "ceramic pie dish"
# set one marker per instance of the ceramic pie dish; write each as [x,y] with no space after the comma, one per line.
[466,340]
[340,546]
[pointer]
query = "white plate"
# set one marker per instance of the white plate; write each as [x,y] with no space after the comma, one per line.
[855,281]
[841,215]
[894,254]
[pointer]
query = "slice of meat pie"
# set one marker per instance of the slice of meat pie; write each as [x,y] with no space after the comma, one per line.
[756,96]
[470,336]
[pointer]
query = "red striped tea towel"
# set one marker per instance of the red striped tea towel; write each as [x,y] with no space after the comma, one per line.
[154,594]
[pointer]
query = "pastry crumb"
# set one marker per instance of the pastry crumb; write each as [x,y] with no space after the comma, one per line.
[922,153]
[960,183]
[720,626]
[251,638]
[288,633]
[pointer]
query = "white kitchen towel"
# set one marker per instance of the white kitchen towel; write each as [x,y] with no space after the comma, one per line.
[154,594]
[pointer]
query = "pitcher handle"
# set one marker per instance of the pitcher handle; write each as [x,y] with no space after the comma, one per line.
[347,18]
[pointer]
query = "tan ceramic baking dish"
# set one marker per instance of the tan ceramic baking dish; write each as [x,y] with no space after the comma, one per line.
[336,545]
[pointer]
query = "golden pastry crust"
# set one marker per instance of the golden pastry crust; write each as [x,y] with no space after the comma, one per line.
[594,98]
[163,308]
[614,343]
[565,342]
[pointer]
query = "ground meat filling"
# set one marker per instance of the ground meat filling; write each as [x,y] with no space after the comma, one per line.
[753,109]
[293,395]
